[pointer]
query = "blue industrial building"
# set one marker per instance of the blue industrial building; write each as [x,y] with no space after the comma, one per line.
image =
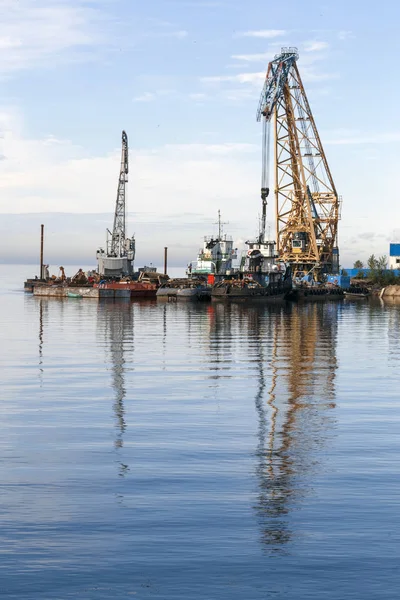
[354,272]
[394,256]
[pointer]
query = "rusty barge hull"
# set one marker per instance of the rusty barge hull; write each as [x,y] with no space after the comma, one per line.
[114,290]
[136,289]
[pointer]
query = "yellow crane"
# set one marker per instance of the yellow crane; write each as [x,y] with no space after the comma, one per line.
[307,203]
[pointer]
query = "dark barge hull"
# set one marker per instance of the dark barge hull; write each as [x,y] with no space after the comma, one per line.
[301,295]
[245,295]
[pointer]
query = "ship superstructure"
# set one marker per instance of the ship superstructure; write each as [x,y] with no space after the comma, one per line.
[216,256]
[261,259]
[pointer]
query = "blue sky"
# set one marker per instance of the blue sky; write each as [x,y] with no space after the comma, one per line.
[183,77]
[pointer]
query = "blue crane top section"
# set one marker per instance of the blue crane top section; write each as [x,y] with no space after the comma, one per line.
[277,75]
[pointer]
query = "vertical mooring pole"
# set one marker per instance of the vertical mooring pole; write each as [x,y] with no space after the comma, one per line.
[165,259]
[41,251]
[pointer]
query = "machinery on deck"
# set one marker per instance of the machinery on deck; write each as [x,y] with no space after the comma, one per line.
[117,259]
[307,203]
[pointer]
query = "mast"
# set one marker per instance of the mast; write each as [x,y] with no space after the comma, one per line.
[220,225]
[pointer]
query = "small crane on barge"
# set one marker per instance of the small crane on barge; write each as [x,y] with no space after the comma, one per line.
[307,203]
[117,260]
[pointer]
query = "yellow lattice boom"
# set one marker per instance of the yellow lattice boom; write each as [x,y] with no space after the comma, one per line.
[307,203]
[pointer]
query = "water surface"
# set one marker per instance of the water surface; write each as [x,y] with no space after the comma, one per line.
[178,451]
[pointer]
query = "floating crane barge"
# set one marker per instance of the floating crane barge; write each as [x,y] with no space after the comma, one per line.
[116,262]
[115,276]
[306,201]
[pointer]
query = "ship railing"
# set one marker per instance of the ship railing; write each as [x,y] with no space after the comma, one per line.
[224,238]
[221,256]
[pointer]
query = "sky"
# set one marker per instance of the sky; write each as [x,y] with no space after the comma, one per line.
[183,78]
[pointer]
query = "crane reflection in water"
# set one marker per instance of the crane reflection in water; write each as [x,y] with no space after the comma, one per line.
[43,309]
[292,408]
[116,318]
[293,352]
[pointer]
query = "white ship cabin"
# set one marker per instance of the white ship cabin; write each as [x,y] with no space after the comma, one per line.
[261,257]
[215,257]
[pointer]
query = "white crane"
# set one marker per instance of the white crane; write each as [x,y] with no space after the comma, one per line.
[117,261]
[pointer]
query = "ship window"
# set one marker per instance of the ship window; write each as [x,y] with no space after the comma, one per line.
[296,244]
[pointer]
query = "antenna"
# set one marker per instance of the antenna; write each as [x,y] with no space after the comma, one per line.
[220,225]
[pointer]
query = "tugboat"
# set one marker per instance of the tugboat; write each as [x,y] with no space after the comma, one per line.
[214,260]
[184,289]
[262,275]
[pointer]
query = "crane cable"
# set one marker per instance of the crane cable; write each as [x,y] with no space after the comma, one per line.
[266,134]
[266,151]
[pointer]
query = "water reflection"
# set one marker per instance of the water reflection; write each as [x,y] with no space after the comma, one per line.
[391,306]
[292,350]
[43,310]
[40,340]
[117,324]
[272,469]
[221,318]
[301,369]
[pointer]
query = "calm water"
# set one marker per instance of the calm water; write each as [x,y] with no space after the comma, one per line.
[179,451]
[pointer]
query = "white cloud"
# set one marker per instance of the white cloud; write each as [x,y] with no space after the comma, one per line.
[310,75]
[251,78]
[360,139]
[203,4]
[43,176]
[345,35]
[42,33]
[49,175]
[264,33]
[179,34]
[151,96]
[307,67]
[145,97]
[46,175]
[315,46]
[252,57]
[160,28]
[205,149]
[237,94]
[198,96]
[46,33]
